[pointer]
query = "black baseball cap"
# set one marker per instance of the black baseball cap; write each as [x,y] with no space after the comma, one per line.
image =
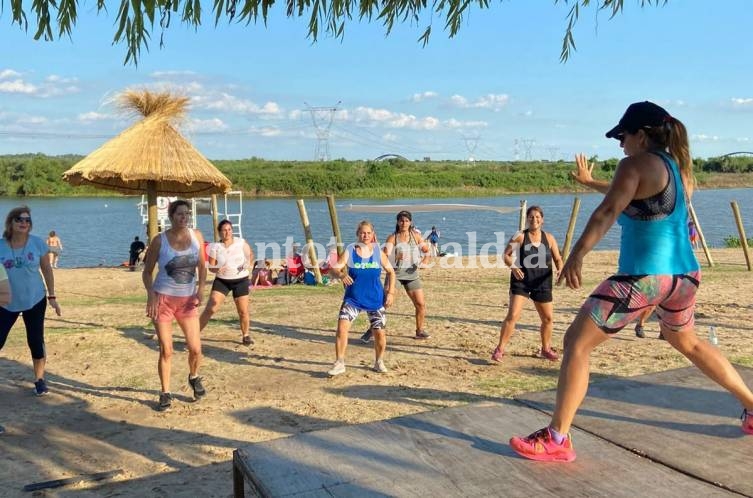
[639,115]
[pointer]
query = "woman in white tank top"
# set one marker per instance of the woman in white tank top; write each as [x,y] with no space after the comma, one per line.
[175,294]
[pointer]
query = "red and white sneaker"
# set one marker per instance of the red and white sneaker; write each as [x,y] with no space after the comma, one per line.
[541,446]
[747,421]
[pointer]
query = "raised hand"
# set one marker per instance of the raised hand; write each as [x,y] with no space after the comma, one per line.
[583,169]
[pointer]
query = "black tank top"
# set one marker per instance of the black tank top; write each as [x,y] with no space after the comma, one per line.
[535,275]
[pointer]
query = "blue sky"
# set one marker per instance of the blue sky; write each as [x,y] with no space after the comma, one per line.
[495,92]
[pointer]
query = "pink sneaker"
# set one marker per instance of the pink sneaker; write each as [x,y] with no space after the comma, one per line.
[747,421]
[548,354]
[497,355]
[541,446]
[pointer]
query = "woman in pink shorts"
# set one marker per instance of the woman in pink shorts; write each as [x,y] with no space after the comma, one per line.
[175,294]
[648,197]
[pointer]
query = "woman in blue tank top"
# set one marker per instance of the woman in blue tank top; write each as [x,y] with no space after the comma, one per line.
[360,267]
[648,197]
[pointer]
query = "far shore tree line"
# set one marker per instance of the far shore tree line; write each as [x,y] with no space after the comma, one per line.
[40,175]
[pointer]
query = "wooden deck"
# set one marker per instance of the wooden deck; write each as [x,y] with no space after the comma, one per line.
[682,423]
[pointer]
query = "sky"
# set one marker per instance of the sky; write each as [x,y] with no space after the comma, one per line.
[496,91]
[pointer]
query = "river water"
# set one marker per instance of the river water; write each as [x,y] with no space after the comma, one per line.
[98,231]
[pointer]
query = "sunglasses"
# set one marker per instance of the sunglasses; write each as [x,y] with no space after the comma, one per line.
[22,219]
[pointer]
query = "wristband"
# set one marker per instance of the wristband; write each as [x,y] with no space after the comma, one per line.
[50,298]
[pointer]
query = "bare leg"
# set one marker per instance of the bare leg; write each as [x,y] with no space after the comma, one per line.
[215,301]
[341,341]
[508,325]
[190,327]
[546,312]
[380,343]
[165,336]
[419,302]
[39,364]
[711,362]
[241,304]
[580,339]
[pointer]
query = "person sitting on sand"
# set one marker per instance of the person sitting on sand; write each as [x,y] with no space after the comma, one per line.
[648,196]
[360,267]
[262,275]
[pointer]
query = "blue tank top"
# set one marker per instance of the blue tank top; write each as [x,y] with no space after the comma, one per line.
[366,292]
[658,246]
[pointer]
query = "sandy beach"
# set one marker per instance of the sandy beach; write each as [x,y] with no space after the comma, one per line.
[101,413]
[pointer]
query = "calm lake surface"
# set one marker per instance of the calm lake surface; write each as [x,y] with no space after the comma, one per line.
[98,231]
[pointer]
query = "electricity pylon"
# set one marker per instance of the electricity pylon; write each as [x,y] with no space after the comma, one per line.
[322,118]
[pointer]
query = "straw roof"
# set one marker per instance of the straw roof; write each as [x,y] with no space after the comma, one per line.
[150,151]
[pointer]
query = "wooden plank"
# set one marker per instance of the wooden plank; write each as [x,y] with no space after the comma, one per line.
[679,418]
[453,452]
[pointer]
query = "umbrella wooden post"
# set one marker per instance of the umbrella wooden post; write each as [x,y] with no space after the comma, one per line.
[309,241]
[706,251]
[215,218]
[741,231]
[151,203]
[571,228]
[522,223]
[335,224]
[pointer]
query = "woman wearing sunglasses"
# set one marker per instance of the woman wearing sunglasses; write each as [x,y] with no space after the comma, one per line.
[23,256]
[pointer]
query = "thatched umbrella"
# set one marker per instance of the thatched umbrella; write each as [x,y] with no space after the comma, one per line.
[150,156]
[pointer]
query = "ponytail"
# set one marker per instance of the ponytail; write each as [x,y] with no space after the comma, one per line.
[673,136]
[679,148]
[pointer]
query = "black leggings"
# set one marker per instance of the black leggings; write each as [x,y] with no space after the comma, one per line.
[34,321]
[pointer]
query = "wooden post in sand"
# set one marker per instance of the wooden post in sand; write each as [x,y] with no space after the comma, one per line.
[522,223]
[215,218]
[571,228]
[741,231]
[335,224]
[309,241]
[706,251]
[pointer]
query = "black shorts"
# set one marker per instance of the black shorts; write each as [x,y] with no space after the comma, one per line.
[538,295]
[238,286]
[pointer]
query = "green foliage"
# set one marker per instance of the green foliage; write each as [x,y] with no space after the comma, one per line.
[135,19]
[40,175]
[732,241]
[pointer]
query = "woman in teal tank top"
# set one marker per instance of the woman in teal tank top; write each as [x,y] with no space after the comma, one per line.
[649,194]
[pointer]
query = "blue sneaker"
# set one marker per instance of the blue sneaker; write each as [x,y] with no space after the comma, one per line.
[40,387]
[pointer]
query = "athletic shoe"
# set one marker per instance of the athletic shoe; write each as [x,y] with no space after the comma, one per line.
[548,354]
[661,336]
[422,334]
[247,340]
[639,331]
[165,401]
[337,369]
[379,366]
[541,446]
[367,336]
[40,387]
[2,429]
[747,421]
[198,387]
[497,355]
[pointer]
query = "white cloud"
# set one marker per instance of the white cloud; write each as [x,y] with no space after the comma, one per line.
[18,86]
[419,97]
[32,120]
[88,117]
[54,78]
[742,102]
[171,74]
[205,125]
[230,103]
[391,119]
[9,73]
[492,101]
[456,124]
[700,137]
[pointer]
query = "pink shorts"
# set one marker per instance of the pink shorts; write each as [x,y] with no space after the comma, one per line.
[620,299]
[175,307]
